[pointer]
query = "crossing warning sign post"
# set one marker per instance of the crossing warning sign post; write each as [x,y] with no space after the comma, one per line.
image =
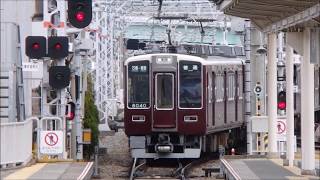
[51,142]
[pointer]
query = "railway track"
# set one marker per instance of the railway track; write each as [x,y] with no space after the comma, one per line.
[168,169]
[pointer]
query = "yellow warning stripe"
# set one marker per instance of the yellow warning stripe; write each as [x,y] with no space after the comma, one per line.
[25,172]
[298,155]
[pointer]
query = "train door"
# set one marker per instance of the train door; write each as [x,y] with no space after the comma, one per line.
[164,111]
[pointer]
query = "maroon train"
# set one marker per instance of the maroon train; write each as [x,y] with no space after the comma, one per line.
[179,105]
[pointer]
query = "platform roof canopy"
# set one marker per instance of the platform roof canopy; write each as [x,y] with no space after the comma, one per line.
[273,15]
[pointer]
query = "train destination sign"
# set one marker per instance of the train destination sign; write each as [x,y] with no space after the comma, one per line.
[138,68]
[190,68]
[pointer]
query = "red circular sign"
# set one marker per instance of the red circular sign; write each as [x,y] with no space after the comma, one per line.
[51,139]
[281,127]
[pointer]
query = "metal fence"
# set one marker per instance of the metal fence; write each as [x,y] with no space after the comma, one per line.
[16,142]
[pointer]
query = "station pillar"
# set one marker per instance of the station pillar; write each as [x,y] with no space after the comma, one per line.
[307,108]
[272,94]
[289,105]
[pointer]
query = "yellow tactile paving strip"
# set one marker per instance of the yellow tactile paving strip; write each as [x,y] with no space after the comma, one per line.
[25,172]
[297,155]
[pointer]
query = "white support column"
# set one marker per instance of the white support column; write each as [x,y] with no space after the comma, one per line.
[272,94]
[290,104]
[307,108]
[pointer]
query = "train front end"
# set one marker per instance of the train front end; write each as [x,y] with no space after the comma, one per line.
[165,112]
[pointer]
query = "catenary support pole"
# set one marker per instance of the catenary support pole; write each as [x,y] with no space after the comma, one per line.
[78,120]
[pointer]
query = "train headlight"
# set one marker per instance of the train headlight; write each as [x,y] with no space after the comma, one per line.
[164,148]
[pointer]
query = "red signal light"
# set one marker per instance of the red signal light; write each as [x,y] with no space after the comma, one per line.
[80,16]
[35,46]
[70,113]
[80,13]
[58,46]
[282,105]
[282,100]
[70,116]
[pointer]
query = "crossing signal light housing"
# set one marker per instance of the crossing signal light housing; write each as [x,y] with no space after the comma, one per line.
[36,47]
[80,13]
[58,47]
[59,77]
[282,100]
[70,113]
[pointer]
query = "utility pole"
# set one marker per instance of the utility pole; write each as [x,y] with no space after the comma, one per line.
[77,125]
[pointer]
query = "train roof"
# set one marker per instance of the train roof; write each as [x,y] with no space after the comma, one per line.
[210,60]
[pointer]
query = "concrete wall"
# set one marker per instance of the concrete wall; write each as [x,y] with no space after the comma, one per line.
[20,12]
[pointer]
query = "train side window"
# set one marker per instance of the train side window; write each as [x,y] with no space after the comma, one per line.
[231,86]
[220,87]
[190,84]
[138,93]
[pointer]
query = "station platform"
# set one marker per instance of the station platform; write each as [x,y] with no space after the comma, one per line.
[260,168]
[52,171]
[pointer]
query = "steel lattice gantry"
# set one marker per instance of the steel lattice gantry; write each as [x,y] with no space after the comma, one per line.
[108,52]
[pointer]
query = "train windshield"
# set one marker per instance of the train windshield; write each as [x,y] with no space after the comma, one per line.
[190,93]
[138,85]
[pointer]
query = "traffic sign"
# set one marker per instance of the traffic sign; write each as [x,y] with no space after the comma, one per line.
[51,142]
[281,127]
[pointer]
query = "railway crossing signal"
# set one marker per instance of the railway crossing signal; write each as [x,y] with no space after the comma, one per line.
[282,100]
[80,13]
[59,77]
[36,47]
[70,113]
[58,47]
